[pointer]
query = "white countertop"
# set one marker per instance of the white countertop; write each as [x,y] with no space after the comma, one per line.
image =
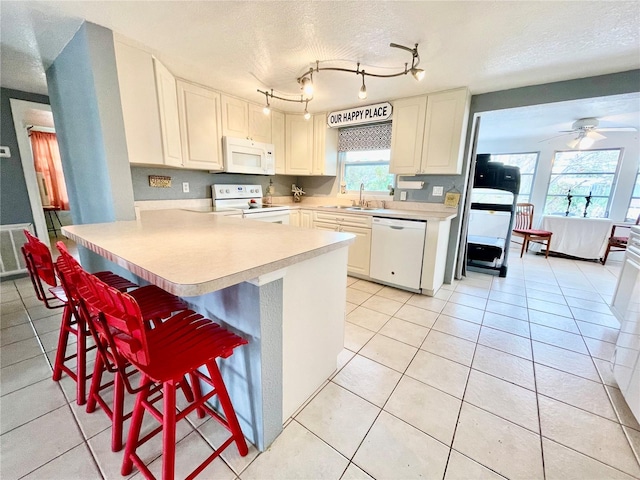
[190,253]
[384,212]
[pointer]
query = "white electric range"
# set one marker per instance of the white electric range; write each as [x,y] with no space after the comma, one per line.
[248,198]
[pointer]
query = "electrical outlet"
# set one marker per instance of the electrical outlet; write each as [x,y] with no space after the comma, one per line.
[403,196]
[185,187]
[438,191]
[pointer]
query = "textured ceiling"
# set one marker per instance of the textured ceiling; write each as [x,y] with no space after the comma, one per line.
[240,46]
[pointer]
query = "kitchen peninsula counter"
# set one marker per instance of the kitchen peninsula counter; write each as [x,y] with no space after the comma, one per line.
[281,288]
[191,253]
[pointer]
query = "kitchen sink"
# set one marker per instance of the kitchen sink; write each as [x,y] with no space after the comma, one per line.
[342,207]
[362,208]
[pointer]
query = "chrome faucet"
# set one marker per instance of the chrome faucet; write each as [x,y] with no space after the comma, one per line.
[361,201]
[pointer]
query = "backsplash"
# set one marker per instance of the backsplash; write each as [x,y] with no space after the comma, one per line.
[199,183]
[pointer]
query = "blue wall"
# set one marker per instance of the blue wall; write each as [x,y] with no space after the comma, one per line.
[14,200]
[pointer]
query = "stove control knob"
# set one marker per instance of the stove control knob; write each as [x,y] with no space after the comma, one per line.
[227,190]
[222,190]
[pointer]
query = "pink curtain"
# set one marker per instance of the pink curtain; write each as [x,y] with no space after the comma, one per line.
[46,156]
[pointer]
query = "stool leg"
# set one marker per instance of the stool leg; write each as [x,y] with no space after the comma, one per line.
[197,393]
[169,431]
[134,429]
[96,380]
[524,243]
[62,343]
[117,414]
[81,361]
[227,407]
[546,254]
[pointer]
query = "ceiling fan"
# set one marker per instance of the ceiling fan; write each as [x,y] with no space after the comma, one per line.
[588,132]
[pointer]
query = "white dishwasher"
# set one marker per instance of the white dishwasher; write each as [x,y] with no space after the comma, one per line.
[397,248]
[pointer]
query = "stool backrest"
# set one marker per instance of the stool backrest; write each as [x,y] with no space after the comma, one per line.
[119,320]
[524,216]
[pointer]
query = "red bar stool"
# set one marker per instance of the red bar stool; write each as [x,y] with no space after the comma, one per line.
[164,356]
[155,305]
[43,275]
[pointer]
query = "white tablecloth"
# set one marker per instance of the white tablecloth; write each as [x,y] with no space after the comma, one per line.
[578,237]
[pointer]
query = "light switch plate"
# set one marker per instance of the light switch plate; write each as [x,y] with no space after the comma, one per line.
[185,187]
[438,191]
[403,196]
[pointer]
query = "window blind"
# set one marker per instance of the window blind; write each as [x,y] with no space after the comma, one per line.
[365,137]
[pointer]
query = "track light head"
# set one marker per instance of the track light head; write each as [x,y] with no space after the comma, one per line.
[362,94]
[418,74]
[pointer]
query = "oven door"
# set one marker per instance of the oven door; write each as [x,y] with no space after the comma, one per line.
[278,216]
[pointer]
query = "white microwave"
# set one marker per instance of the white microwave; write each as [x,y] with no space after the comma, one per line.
[246,156]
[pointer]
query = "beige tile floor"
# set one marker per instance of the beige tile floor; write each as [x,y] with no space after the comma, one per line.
[490,378]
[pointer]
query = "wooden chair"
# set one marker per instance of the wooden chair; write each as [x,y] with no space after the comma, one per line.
[522,228]
[618,241]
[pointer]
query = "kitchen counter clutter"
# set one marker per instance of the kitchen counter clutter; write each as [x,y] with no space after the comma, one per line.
[283,289]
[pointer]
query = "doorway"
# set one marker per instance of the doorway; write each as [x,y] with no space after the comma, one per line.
[31,116]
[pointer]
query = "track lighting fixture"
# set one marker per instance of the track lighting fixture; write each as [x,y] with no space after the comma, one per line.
[306,79]
[307,115]
[267,108]
[362,94]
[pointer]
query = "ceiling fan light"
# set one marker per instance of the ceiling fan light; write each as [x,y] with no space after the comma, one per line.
[418,74]
[585,143]
[574,143]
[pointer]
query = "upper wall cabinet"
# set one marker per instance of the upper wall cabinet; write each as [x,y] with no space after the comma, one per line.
[445,129]
[298,145]
[260,128]
[325,147]
[245,120]
[428,133]
[407,131]
[235,117]
[169,119]
[199,110]
[137,83]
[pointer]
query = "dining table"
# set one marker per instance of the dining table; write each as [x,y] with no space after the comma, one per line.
[578,236]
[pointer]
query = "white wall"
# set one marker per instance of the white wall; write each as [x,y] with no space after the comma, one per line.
[628,166]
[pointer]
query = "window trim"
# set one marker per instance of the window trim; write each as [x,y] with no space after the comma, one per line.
[533,175]
[614,183]
[342,159]
[632,197]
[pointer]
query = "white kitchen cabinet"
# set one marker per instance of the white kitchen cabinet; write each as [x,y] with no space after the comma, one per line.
[169,118]
[407,131]
[242,119]
[294,218]
[199,111]
[306,218]
[325,147]
[277,138]
[428,133]
[137,84]
[235,117]
[445,130]
[298,145]
[260,128]
[360,226]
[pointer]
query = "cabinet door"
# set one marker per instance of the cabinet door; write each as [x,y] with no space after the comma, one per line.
[294,218]
[325,147]
[298,145]
[169,118]
[445,132]
[199,110]
[259,124]
[359,251]
[306,218]
[235,117]
[137,83]
[406,135]
[277,138]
